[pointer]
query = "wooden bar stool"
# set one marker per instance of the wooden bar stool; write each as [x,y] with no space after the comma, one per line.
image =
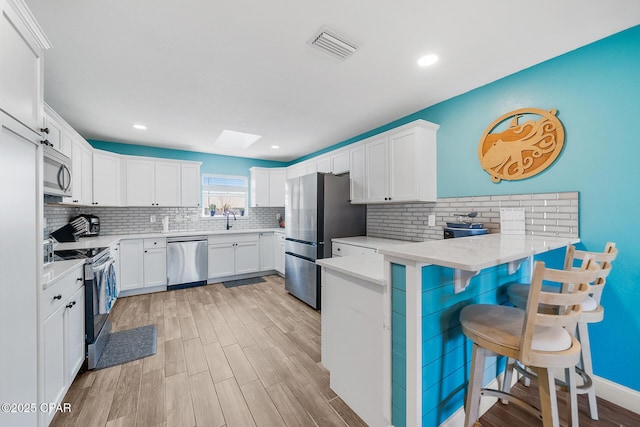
[541,341]
[592,312]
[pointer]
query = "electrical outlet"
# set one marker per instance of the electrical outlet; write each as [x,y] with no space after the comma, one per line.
[152,218]
[431,220]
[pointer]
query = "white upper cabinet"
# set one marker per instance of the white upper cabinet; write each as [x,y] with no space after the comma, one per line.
[358,174]
[22,45]
[377,170]
[57,132]
[324,164]
[190,182]
[296,170]
[259,183]
[151,182]
[52,132]
[267,186]
[400,165]
[82,170]
[140,178]
[106,179]
[168,183]
[340,162]
[277,181]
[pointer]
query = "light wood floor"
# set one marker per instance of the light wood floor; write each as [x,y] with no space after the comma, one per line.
[243,356]
[610,415]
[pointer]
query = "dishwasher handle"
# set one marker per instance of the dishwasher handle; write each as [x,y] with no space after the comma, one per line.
[186,239]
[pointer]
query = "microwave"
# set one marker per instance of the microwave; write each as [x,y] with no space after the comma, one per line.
[56,172]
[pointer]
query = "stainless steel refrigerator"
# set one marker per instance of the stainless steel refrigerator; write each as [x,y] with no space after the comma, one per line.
[317,209]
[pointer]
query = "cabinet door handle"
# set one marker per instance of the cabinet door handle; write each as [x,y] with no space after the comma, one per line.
[145,252]
[44,130]
[79,279]
[71,304]
[59,296]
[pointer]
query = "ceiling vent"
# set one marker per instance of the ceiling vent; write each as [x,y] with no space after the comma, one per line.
[333,44]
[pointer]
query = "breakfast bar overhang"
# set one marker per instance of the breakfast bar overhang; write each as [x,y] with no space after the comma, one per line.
[430,282]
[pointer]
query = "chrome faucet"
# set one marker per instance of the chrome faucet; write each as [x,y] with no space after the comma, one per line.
[227,212]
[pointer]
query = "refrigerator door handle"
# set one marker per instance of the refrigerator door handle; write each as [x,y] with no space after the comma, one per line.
[300,256]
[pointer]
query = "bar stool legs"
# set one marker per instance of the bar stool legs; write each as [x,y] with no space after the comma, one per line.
[472,408]
[587,366]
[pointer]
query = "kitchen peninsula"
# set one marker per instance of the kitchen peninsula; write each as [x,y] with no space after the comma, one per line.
[422,288]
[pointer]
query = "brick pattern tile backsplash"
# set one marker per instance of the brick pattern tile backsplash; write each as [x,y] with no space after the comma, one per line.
[133,220]
[547,214]
[550,214]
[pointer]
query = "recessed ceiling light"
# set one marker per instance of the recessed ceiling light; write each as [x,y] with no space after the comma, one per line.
[427,60]
[235,140]
[139,126]
[275,147]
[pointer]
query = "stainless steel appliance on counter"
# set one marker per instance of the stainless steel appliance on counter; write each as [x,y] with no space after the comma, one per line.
[100,292]
[187,262]
[464,227]
[317,209]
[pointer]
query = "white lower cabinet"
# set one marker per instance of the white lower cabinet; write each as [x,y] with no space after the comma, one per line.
[143,264]
[155,262]
[221,259]
[54,379]
[62,307]
[278,253]
[353,343]
[233,254]
[131,264]
[266,251]
[74,329]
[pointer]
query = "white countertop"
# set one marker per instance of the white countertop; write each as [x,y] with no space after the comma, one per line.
[369,242]
[57,270]
[108,240]
[369,268]
[477,252]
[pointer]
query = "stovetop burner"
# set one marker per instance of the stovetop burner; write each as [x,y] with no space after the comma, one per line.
[77,253]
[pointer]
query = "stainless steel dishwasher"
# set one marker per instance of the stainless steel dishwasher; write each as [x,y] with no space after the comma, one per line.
[186,262]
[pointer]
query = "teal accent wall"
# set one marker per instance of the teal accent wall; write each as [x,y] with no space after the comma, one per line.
[211,163]
[596,90]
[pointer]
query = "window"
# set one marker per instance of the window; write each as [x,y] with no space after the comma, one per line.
[222,193]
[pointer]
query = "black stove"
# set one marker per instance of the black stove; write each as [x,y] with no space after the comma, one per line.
[88,253]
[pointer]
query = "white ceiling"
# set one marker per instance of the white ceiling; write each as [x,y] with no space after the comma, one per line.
[191,69]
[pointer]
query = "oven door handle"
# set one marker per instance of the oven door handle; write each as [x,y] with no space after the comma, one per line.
[102,263]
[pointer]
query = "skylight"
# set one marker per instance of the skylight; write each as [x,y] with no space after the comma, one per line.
[235,140]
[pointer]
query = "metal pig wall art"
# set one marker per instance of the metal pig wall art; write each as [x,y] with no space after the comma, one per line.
[523,149]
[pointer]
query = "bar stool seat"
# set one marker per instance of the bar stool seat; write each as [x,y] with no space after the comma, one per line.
[592,312]
[542,341]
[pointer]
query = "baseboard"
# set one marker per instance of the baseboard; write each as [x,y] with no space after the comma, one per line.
[618,394]
[608,390]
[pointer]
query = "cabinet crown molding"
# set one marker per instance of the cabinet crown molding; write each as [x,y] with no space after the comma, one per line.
[30,21]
